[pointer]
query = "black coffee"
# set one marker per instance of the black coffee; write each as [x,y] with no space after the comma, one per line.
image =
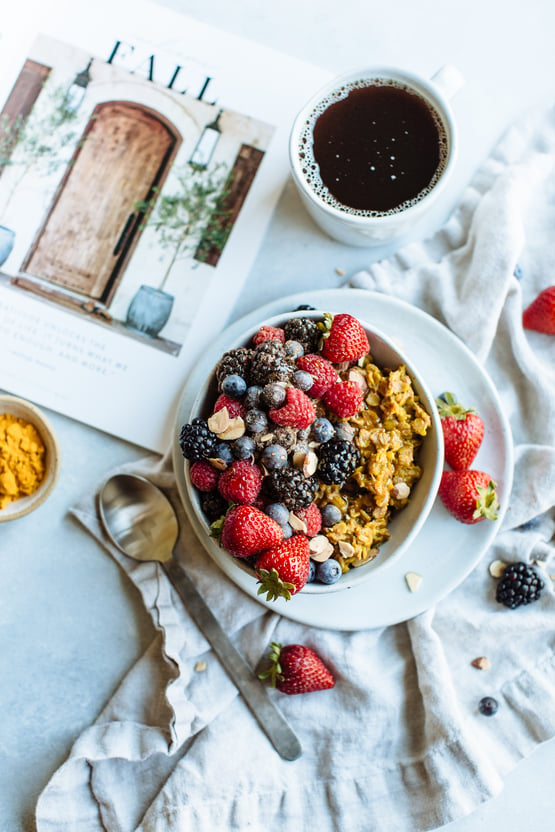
[378,150]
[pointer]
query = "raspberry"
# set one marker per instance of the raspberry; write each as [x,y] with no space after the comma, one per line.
[268,333]
[241,482]
[344,398]
[204,476]
[312,518]
[297,412]
[322,371]
[234,406]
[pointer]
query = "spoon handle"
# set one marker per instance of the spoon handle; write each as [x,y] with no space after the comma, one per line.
[255,695]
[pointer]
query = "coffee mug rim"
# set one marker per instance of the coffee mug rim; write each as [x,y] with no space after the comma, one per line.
[422,85]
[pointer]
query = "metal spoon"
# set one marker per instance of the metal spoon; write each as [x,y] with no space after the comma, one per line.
[141,522]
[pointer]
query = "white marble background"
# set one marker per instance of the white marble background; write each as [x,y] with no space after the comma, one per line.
[71,624]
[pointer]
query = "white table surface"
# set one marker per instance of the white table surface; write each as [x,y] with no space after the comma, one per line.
[71,624]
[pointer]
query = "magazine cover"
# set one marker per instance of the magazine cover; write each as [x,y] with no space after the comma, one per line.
[141,156]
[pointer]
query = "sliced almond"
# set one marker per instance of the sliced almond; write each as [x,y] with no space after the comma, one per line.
[482,663]
[200,666]
[298,459]
[496,568]
[310,464]
[358,375]
[234,430]
[400,491]
[346,549]
[320,548]
[219,421]
[296,523]
[218,464]
[413,581]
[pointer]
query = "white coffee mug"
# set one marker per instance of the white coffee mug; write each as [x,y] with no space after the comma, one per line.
[361,228]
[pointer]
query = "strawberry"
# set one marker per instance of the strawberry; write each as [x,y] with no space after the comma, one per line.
[322,371]
[268,333]
[344,338]
[283,569]
[469,495]
[204,476]
[235,407]
[247,531]
[463,431]
[296,668]
[311,517]
[241,482]
[540,314]
[297,412]
[344,398]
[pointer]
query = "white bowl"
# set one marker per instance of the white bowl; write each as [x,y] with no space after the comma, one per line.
[404,526]
[23,409]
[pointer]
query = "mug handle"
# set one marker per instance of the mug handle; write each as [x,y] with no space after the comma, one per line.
[448,79]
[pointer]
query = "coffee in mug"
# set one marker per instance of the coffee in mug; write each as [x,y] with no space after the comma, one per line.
[371,151]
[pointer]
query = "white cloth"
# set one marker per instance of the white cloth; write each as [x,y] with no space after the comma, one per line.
[399,743]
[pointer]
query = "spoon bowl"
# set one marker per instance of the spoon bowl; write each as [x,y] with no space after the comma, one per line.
[140,520]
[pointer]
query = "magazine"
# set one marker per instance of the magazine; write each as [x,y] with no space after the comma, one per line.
[142,154]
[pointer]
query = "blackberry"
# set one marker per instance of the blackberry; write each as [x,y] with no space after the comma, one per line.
[290,487]
[234,362]
[519,584]
[303,330]
[213,505]
[197,441]
[269,363]
[337,459]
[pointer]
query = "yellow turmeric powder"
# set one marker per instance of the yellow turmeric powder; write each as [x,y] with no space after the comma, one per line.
[22,458]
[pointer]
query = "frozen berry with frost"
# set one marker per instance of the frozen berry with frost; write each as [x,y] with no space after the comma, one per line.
[251,399]
[273,395]
[344,431]
[290,487]
[302,380]
[256,420]
[303,330]
[329,571]
[293,349]
[222,450]
[234,362]
[268,333]
[234,406]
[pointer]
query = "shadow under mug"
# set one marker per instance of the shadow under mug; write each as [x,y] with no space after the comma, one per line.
[357,228]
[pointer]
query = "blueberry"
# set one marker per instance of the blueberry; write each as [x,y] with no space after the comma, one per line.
[344,431]
[273,395]
[243,448]
[274,456]
[329,571]
[488,706]
[287,531]
[293,349]
[256,420]
[234,386]
[330,515]
[322,429]
[311,572]
[252,397]
[223,451]
[278,512]
[302,380]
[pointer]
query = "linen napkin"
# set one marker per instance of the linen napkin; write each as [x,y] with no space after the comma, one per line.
[399,743]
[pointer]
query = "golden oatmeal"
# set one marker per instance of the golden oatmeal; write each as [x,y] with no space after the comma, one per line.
[388,432]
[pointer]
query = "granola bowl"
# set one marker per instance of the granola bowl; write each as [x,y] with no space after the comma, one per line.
[395,471]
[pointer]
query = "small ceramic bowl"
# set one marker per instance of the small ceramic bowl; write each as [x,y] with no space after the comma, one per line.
[405,524]
[23,409]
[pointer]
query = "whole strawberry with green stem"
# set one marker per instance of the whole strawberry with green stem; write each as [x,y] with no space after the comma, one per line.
[469,495]
[283,570]
[344,338]
[463,431]
[296,668]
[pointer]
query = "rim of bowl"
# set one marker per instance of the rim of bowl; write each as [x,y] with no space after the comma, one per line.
[363,573]
[24,409]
